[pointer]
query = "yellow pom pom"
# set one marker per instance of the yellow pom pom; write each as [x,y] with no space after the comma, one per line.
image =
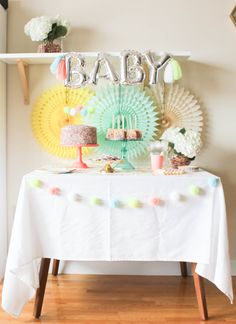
[134,203]
[95,201]
[194,190]
[36,183]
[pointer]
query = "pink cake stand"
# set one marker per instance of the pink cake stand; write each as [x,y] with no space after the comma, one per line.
[79,164]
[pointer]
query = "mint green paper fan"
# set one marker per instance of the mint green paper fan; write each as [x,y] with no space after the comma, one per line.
[123,100]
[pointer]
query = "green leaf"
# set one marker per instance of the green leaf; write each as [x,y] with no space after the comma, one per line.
[182,131]
[60,31]
[171,145]
[51,34]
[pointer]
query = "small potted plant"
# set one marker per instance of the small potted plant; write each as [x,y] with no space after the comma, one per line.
[48,30]
[183,145]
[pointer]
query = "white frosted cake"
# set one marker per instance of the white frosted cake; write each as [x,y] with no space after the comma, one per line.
[78,134]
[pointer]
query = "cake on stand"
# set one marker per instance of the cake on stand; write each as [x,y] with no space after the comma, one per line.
[126,131]
[79,136]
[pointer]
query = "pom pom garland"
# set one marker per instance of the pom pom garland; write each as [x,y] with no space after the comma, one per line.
[153,201]
[213,182]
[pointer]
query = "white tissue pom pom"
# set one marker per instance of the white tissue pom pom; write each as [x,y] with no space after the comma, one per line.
[74,196]
[170,134]
[187,144]
[38,28]
[176,196]
[73,112]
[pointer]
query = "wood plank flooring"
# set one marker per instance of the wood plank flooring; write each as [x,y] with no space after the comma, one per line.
[93,299]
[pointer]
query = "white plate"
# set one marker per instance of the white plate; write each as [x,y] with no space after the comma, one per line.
[58,170]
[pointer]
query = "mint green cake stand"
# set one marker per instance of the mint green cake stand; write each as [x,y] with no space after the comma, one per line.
[124,164]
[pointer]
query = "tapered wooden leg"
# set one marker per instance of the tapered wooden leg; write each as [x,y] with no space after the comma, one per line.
[200,293]
[43,275]
[55,267]
[183,269]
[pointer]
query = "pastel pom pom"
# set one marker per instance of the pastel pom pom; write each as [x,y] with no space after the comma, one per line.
[135,203]
[84,112]
[176,196]
[115,203]
[78,108]
[194,190]
[213,182]
[74,196]
[95,201]
[67,110]
[55,191]
[73,112]
[154,201]
[36,183]
[91,110]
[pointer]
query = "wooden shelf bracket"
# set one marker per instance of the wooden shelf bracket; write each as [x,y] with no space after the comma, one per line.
[23,70]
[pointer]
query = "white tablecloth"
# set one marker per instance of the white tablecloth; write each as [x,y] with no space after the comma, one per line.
[55,226]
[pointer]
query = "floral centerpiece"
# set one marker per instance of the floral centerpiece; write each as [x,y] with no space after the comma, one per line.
[183,145]
[47,30]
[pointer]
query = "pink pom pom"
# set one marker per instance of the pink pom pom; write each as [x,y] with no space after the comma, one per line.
[61,70]
[55,191]
[154,201]
[78,108]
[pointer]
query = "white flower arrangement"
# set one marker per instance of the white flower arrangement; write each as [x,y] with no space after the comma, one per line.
[184,142]
[46,28]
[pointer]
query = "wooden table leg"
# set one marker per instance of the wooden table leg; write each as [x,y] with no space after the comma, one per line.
[43,275]
[183,269]
[55,267]
[200,293]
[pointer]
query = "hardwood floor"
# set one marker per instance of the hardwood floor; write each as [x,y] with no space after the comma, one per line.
[92,299]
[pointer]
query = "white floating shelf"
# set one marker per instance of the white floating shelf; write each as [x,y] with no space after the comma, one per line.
[47,58]
[23,60]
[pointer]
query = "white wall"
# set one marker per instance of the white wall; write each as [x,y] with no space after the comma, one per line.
[200,26]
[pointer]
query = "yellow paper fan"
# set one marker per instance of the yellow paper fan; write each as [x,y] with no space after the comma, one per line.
[48,117]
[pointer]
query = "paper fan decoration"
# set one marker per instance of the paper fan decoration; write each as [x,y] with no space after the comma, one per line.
[177,107]
[51,112]
[127,101]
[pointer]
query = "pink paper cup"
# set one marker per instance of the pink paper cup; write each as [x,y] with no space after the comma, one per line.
[156,161]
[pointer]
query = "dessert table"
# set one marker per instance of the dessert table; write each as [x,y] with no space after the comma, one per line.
[114,217]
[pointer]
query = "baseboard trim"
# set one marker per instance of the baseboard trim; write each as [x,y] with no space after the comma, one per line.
[127,268]
[233,267]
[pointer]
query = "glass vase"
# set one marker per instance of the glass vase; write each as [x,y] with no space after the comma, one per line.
[55,46]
